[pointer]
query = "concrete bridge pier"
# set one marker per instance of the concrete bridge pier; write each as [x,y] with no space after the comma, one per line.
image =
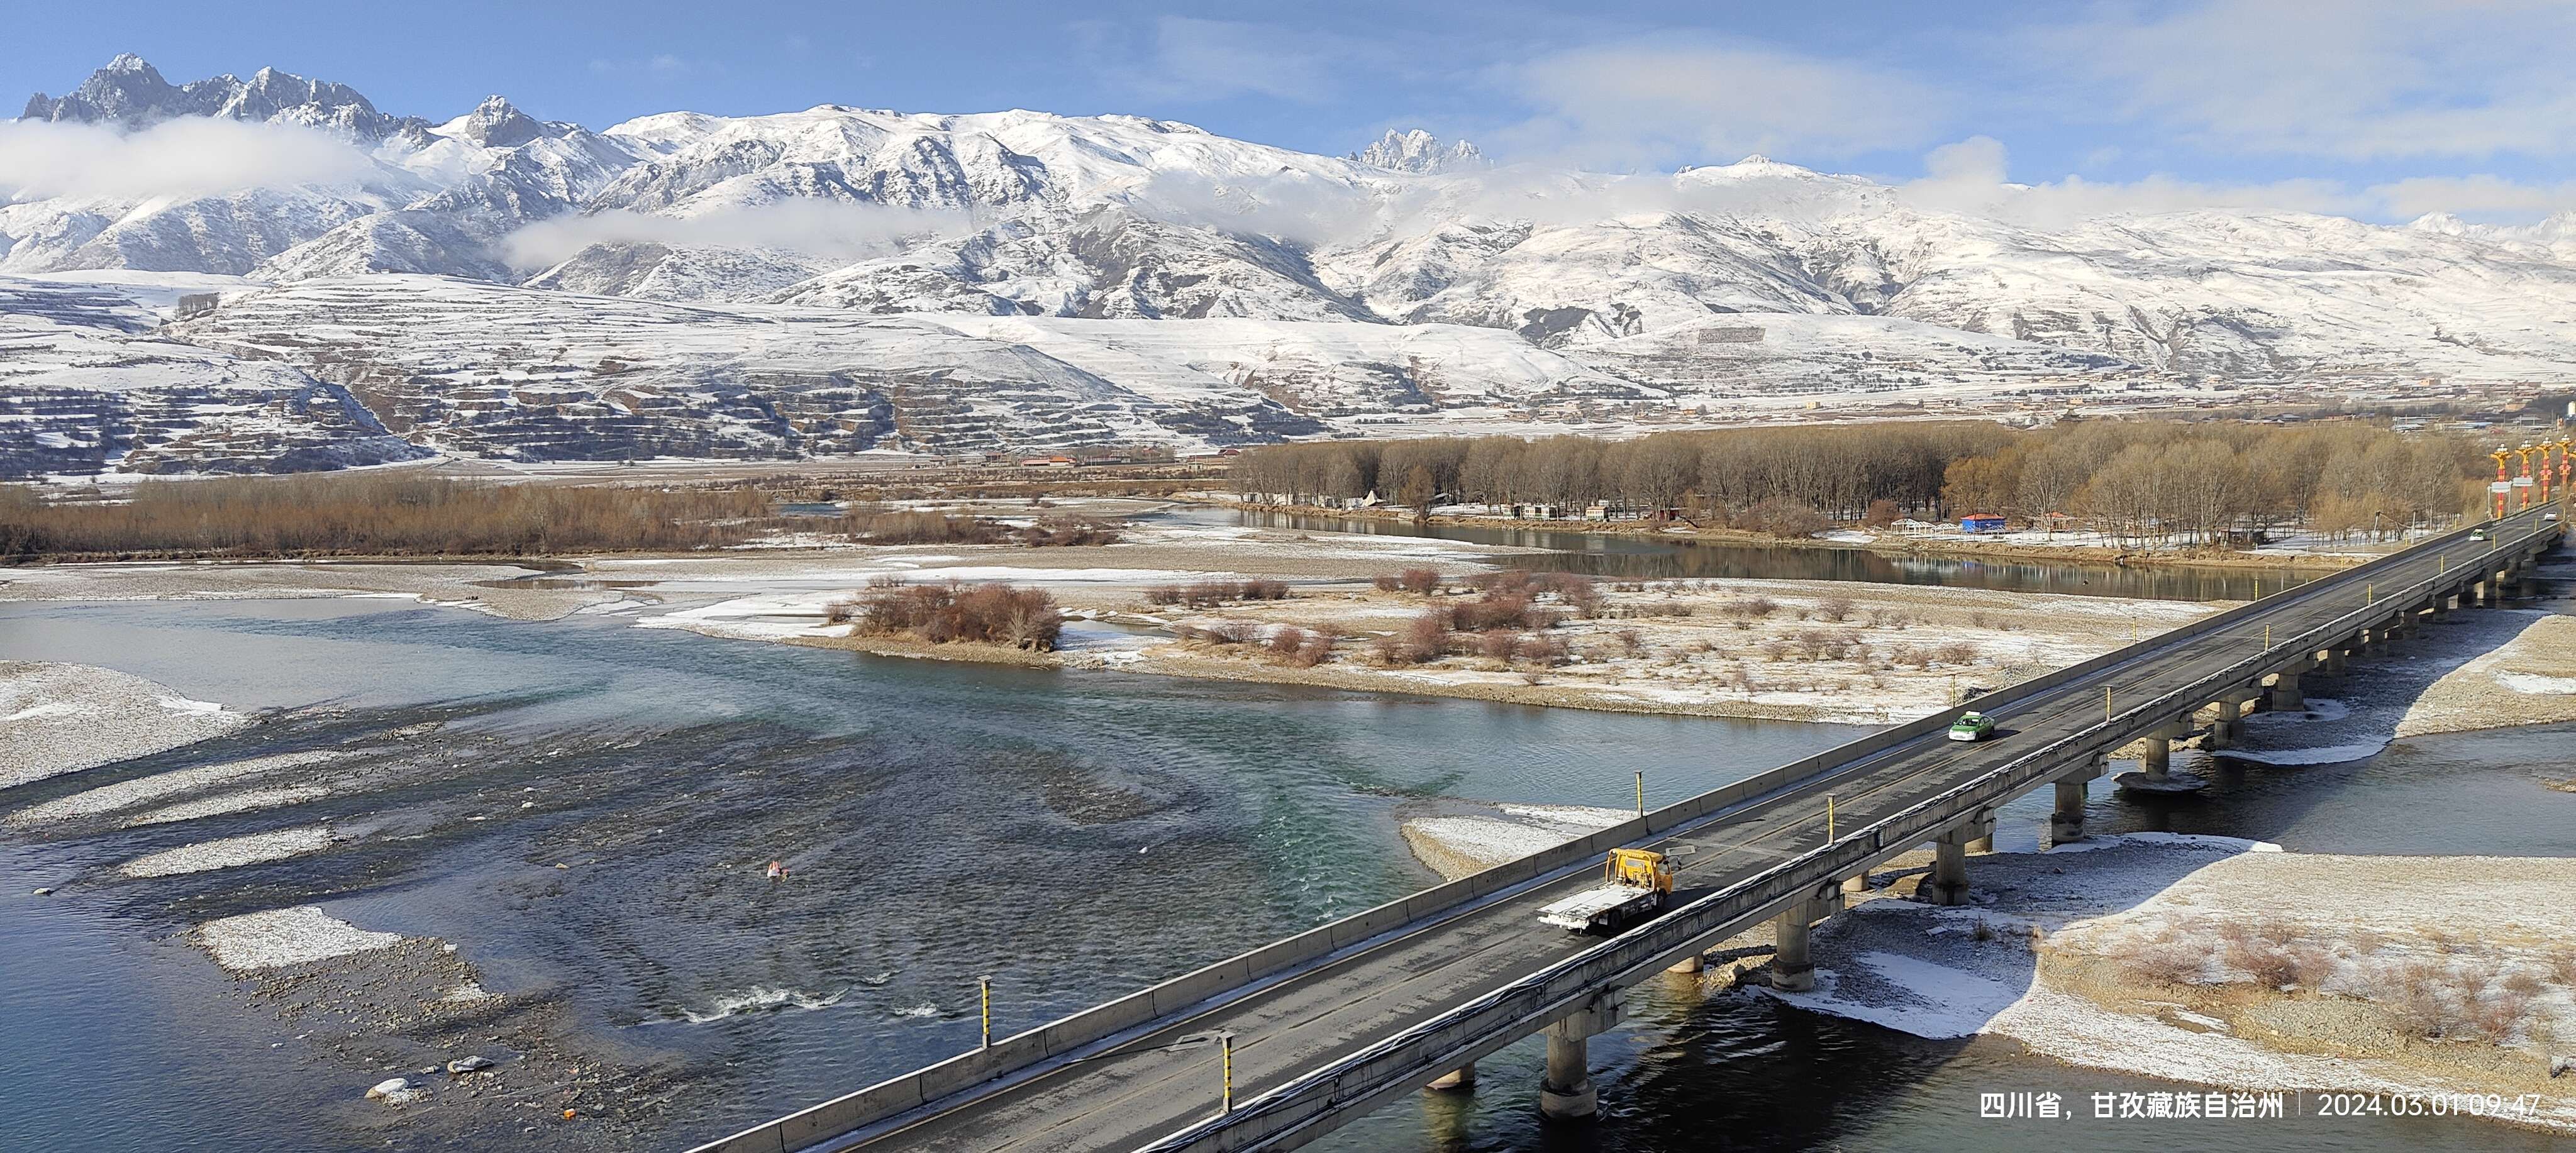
[2286,697]
[1982,836]
[2230,723]
[1458,1080]
[2066,820]
[1794,969]
[2157,760]
[1793,966]
[2155,766]
[1567,1094]
[2334,659]
[1856,884]
[1948,884]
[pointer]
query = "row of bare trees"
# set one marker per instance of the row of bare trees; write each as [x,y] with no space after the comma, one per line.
[2130,479]
[375,513]
[1837,471]
[2198,481]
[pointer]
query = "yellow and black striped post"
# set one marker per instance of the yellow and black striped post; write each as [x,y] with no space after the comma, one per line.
[984,985]
[1225,1051]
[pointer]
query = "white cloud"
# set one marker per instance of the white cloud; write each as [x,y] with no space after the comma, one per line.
[2482,197]
[193,156]
[2357,79]
[1295,209]
[829,229]
[1969,177]
[1651,103]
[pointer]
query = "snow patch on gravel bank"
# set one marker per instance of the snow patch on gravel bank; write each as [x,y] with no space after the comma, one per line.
[2324,755]
[63,718]
[286,937]
[143,790]
[1928,970]
[2535,684]
[230,852]
[225,803]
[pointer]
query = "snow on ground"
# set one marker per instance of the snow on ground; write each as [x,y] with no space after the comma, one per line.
[1831,651]
[286,937]
[2517,680]
[2320,755]
[2536,684]
[253,849]
[2496,667]
[1940,1001]
[248,800]
[143,790]
[1456,846]
[2003,966]
[63,718]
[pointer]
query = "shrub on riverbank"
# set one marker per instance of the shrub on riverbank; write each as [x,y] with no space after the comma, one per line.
[1211,594]
[870,525]
[377,514]
[999,614]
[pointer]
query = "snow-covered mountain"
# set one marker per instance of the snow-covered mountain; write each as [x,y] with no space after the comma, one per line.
[1414,150]
[999,253]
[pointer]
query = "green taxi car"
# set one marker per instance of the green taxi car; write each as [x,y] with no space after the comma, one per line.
[1972,727]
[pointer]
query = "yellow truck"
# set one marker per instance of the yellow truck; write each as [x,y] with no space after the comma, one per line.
[1635,885]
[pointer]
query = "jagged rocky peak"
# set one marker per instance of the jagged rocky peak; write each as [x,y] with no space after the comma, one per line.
[132,93]
[1415,150]
[496,123]
[127,90]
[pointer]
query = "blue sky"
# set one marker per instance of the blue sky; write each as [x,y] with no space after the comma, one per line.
[2375,108]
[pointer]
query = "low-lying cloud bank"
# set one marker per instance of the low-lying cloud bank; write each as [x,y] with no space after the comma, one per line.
[190,156]
[827,229]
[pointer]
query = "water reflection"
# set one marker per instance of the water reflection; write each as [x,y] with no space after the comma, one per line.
[1640,557]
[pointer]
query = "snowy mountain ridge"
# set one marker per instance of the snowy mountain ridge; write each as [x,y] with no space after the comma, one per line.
[1660,293]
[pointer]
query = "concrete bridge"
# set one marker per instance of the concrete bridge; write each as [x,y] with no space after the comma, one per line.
[1326,1025]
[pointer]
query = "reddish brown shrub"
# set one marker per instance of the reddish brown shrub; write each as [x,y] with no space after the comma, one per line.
[2165,961]
[990,614]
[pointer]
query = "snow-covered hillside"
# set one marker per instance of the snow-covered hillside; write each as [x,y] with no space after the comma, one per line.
[1020,278]
[88,386]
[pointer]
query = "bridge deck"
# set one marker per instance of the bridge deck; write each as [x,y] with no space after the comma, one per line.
[1157,1082]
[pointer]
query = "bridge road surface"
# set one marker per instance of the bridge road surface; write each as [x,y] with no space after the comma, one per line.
[1156,1083]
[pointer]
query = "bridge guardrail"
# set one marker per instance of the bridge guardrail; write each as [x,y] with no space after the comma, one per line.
[1507,1014]
[1091,1026]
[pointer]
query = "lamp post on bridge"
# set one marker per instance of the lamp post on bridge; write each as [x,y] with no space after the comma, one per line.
[2503,483]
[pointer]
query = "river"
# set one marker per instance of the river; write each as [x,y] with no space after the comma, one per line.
[1073,835]
[1640,556]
